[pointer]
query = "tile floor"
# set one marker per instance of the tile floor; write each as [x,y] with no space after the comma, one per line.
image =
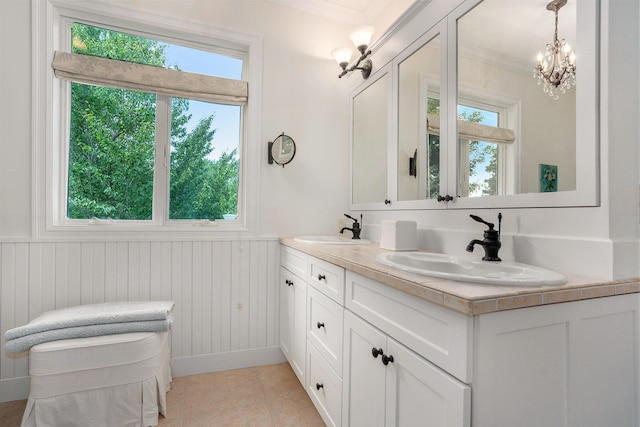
[262,396]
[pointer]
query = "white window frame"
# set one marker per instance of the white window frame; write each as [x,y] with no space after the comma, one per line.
[508,118]
[50,124]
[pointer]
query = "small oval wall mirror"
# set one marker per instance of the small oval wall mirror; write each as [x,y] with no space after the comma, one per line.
[282,150]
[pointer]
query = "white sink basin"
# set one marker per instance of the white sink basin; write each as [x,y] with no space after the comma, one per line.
[331,240]
[484,272]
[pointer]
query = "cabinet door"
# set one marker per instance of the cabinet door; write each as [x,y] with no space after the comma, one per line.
[419,393]
[293,313]
[363,375]
[286,313]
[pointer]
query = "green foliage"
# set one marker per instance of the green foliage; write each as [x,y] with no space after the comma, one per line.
[481,153]
[112,145]
[433,150]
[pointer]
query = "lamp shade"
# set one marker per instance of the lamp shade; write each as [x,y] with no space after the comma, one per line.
[361,36]
[342,55]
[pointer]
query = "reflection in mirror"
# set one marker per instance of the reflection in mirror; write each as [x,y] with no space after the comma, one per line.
[369,143]
[282,150]
[419,92]
[496,57]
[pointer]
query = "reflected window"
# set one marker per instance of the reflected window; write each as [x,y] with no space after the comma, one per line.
[478,159]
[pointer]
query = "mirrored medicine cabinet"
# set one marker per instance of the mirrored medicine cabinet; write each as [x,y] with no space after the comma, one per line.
[456,120]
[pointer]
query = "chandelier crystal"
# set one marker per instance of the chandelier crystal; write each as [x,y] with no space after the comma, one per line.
[556,69]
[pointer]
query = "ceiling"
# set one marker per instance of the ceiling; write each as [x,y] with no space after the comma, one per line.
[528,23]
[356,12]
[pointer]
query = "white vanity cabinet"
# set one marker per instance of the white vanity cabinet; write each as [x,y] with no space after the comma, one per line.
[570,364]
[371,354]
[385,382]
[311,328]
[293,309]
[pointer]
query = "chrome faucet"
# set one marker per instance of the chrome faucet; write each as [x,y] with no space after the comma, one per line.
[491,242]
[355,229]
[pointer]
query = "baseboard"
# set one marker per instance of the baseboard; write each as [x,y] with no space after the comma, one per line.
[193,365]
[14,389]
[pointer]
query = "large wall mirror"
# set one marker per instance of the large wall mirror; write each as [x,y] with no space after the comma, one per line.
[497,45]
[472,122]
[370,112]
[419,81]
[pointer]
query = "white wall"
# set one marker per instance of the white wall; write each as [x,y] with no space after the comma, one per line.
[225,290]
[301,96]
[226,294]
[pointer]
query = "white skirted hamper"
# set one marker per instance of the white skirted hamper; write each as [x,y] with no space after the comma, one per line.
[110,380]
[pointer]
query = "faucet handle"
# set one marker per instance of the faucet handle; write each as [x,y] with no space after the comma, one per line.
[355,220]
[477,218]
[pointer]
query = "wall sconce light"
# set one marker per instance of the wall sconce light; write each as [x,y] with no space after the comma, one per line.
[557,67]
[361,37]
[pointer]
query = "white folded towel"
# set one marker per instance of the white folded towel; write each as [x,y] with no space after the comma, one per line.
[94,314]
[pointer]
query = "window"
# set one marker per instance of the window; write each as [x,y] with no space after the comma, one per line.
[485,153]
[115,146]
[118,141]
[478,159]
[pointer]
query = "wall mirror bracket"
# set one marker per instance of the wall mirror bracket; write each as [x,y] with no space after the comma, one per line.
[281,150]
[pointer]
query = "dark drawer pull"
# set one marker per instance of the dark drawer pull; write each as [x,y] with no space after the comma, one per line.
[376,352]
[322,277]
[387,359]
[319,386]
[320,325]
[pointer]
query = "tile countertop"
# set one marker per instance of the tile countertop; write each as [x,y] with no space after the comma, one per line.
[466,298]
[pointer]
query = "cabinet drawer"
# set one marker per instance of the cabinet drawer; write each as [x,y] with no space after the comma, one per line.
[327,278]
[438,334]
[324,327]
[294,261]
[324,387]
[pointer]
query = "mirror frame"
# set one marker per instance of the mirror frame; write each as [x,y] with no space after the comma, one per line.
[408,31]
[276,144]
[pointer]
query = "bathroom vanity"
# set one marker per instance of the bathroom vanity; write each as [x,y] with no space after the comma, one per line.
[373,345]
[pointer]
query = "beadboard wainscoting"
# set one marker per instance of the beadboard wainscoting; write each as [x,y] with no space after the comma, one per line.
[226,294]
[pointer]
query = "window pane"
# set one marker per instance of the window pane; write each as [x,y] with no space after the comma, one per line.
[478,159]
[96,41]
[111,152]
[433,175]
[105,43]
[433,154]
[205,140]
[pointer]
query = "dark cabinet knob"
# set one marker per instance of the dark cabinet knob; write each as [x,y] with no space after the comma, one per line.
[320,325]
[376,352]
[387,359]
[289,282]
[319,386]
[387,201]
[322,277]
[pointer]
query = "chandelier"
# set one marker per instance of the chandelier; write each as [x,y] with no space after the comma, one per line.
[556,69]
